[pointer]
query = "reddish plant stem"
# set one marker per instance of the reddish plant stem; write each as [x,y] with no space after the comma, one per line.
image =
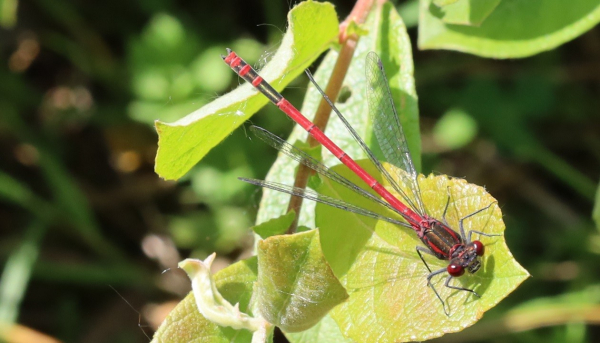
[348,46]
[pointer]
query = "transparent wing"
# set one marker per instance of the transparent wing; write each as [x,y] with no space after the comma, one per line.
[314,196]
[407,200]
[309,161]
[388,130]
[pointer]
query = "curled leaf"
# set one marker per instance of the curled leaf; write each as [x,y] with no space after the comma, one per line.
[210,302]
[186,324]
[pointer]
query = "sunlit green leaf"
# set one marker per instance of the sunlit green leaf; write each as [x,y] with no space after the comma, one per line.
[441,3]
[409,12]
[326,331]
[379,266]
[17,272]
[515,28]
[312,28]
[296,287]
[464,12]
[387,36]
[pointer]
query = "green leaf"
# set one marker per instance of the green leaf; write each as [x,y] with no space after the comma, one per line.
[185,324]
[18,193]
[17,272]
[516,28]
[296,287]
[387,36]
[325,331]
[312,28]
[455,129]
[596,210]
[465,12]
[440,3]
[275,226]
[565,309]
[8,13]
[381,270]
[409,12]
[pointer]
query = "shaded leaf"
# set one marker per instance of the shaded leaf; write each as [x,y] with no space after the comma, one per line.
[275,226]
[568,308]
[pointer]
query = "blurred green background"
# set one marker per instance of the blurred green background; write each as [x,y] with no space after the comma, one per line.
[90,236]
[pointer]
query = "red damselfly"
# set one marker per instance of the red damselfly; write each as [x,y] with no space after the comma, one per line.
[441,241]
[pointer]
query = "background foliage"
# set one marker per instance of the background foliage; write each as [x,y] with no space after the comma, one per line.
[87,228]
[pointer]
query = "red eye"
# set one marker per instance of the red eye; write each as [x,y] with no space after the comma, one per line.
[479,248]
[455,270]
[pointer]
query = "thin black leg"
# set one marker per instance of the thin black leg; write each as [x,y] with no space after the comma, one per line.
[462,228]
[435,290]
[460,288]
[424,250]
[483,234]
[446,207]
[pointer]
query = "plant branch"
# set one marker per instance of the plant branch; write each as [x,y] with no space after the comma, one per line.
[348,46]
